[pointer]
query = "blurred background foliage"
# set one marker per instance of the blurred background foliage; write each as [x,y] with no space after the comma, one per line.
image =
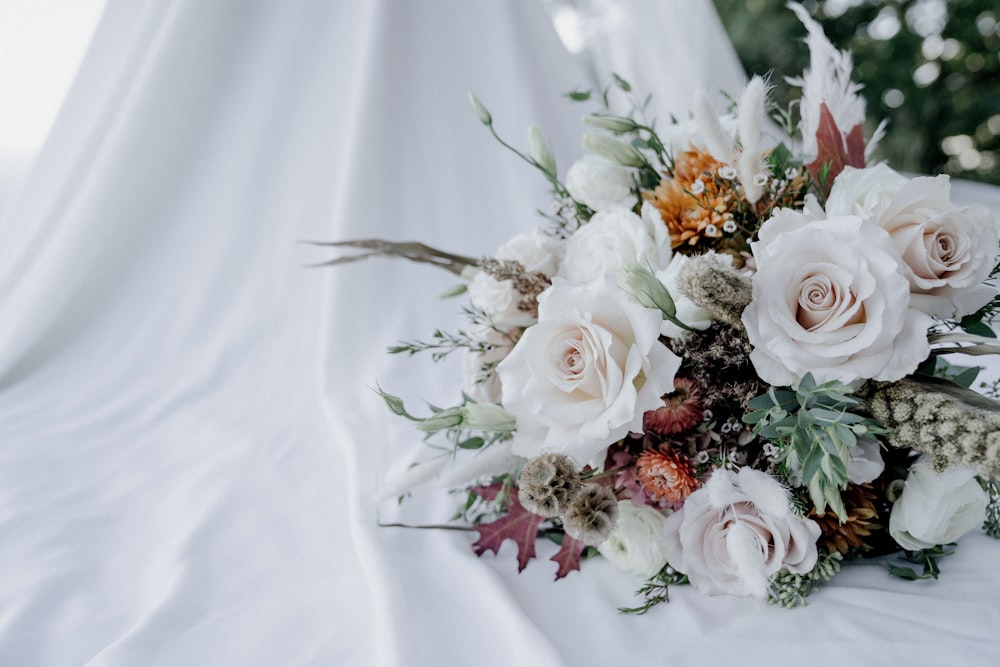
[932,67]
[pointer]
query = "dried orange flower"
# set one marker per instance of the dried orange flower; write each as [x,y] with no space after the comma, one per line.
[666,476]
[688,201]
[682,410]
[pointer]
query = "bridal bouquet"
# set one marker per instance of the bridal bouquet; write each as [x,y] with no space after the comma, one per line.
[720,359]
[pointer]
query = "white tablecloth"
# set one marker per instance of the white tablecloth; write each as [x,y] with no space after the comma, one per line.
[189,448]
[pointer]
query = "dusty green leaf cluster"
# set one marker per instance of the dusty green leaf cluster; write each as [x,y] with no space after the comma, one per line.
[791,590]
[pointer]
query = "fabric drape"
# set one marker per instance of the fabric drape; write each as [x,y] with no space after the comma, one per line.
[189,442]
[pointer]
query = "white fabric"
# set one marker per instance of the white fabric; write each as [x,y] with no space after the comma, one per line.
[188,444]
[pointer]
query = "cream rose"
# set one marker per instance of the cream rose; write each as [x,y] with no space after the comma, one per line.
[613,240]
[600,184]
[936,507]
[829,298]
[947,251]
[736,532]
[582,377]
[636,545]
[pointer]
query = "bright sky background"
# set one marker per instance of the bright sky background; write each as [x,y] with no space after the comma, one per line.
[41,45]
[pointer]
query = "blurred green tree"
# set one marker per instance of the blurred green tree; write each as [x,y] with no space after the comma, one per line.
[932,67]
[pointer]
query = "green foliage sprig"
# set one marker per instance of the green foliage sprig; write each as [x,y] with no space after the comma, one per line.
[991,526]
[926,558]
[656,590]
[814,431]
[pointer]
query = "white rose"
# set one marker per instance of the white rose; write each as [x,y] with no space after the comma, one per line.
[499,300]
[636,545]
[829,298]
[582,378]
[688,311]
[614,239]
[600,184]
[536,251]
[736,532]
[936,507]
[866,193]
[947,251]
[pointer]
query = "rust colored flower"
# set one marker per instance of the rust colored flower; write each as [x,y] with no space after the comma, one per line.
[688,200]
[862,521]
[682,410]
[666,476]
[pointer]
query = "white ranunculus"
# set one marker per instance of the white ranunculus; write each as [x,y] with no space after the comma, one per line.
[688,311]
[600,184]
[936,507]
[829,298]
[582,377]
[636,545]
[536,251]
[499,300]
[736,532]
[615,239]
[947,251]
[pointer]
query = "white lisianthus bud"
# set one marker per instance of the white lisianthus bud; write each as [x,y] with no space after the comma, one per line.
[442,420]
[484,116]
[617,151]
[611,123]
[540,152]
[647,289]
[487,417]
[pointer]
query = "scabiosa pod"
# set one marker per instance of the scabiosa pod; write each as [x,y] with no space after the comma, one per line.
[547,484]
[592,514]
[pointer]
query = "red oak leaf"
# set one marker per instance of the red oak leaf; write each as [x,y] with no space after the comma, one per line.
[517,524]
[568,556]
[835,149]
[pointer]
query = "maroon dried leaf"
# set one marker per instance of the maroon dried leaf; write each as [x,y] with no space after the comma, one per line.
[855,156]
[835,149]
[517,524]
[568,556]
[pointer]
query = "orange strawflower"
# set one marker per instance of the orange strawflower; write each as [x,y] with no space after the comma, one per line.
[688,201]
[665,476]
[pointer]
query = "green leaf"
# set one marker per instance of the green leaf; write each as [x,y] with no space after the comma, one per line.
[903,572]
[967,377]
[472,443]
[779,158]
[457,290]
[974,325]
[579,95]
[621,83]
